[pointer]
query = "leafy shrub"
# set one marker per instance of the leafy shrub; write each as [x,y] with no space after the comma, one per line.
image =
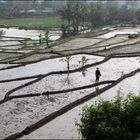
[112,120]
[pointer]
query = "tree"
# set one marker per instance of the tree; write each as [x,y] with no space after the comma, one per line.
[112,10]
[74,14]
[96,14]
[112,120]
[67,59]
[137,14]
[83,60]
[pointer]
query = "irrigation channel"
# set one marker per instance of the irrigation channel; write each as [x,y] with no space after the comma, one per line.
[38,92]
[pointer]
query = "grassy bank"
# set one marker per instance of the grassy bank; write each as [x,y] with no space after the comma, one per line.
[32,22]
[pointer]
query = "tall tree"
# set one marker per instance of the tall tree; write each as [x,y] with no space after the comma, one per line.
[73,14]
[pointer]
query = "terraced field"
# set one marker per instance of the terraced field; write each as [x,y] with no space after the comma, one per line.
[37,89]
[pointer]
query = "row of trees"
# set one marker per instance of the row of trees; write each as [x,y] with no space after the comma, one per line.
[82,13]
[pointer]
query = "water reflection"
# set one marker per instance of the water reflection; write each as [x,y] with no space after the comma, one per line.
[84,72]
[32,34]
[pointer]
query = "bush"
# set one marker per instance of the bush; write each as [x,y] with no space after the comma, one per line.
[112,120]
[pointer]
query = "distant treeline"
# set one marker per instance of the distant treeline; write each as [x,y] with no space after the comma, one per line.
[94,14]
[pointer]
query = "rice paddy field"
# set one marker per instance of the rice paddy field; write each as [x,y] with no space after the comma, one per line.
[44,89]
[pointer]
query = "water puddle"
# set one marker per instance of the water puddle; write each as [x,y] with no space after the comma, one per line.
[5,43]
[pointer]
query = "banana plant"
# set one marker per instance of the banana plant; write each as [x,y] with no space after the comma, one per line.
[83,60]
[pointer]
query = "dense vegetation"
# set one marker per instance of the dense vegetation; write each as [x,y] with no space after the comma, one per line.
[95,14]
[78,14]
[112,120]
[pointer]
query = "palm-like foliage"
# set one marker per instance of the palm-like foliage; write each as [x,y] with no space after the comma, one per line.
[83,60]
[115,120]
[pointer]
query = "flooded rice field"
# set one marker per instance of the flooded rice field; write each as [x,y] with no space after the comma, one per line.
[68,128]
[22,33]
[5,87]
[46,66]
[111,70]
[18,113]
[121,31]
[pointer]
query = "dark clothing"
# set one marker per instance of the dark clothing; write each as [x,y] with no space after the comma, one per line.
[40,39]
[97,74]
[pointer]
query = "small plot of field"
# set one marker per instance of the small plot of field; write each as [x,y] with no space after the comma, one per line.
[68,129]
[4,55]
[128,42]
[22,33]
[35,57]
[76,44]
[123,49]
[4,38]
[5,43]
[6,65]
[17,47]
[46,66]
[120,31]
[19,113]
[32,22]
[118,40]
[111,70]
[5,87]
[114,40]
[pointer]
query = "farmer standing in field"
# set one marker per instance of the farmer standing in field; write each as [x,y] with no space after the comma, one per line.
[97,74]
[40,39]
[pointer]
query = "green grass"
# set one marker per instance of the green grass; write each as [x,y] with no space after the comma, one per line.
[33,22]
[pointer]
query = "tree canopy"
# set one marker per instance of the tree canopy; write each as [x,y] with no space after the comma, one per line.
[98,13]
[112,120]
